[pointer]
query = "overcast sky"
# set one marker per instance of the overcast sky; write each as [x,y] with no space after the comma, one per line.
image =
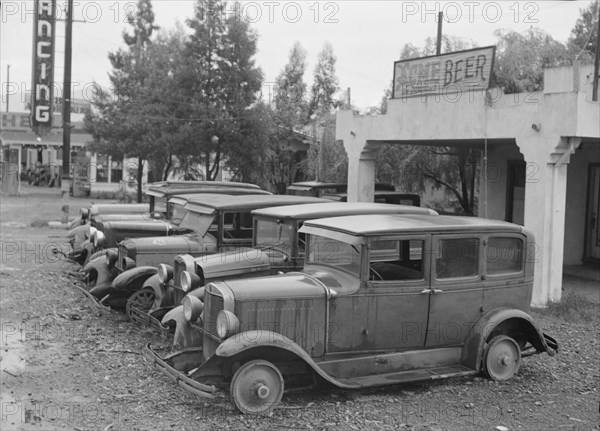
[367,36]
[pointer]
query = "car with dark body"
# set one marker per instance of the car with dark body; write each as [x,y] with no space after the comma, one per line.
[381,197]
[382,299]
[317,188]
[207,223]
[277,246]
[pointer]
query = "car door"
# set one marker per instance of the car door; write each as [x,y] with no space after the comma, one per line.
[398,293]
[456,296]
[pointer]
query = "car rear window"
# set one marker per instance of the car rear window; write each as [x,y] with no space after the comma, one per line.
[504,255]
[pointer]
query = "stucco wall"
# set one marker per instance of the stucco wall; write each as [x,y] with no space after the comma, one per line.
[575,212]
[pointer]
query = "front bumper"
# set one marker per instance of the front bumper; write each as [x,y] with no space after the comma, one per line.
[141,317]
[181,360]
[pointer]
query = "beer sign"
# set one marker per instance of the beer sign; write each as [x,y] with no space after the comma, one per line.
[43,65]
[461,71]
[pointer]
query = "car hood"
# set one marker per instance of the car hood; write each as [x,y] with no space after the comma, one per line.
[238,262]
[158,226]
[290,285]
[180,244]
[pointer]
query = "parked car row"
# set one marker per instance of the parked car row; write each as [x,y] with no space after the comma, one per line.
[263,292]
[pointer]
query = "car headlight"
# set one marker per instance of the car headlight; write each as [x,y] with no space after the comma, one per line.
[192,308]
[165,273]
[227,324]
[93,232]
[99,239]
[111,257]
[85,213]
[189,281]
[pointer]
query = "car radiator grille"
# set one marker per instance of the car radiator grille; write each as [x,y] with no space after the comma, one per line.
[121,257]
[213,303]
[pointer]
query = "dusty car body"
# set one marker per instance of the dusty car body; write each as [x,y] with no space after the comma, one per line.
[277,247]
[318,189]
[382,299]
[208,224]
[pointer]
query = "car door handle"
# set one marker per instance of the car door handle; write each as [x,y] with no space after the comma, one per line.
[436,291]
[424,291]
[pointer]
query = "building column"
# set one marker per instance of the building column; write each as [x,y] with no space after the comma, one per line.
[545,202]
[361,170]
[109,180]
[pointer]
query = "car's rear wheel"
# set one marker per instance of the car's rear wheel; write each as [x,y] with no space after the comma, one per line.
[142,299]
[501,358]
[257,387]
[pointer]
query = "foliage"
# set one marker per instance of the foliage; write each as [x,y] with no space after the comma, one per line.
[522,57]
[218,84]
[582,41]
[118,122]
[327,159]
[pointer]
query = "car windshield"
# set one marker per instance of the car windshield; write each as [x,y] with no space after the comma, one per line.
[331,252]
[279,236]
[197,222]
[160,204]
[178,212]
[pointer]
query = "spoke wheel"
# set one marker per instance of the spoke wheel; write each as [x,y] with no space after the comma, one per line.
[501,358]
[257,387]
[142,299]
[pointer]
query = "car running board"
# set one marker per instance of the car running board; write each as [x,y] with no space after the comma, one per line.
[410,376]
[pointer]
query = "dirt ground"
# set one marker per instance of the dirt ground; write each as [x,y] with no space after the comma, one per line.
[67,366]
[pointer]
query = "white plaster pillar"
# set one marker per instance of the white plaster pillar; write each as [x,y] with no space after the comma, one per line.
[109,180]
[545,202]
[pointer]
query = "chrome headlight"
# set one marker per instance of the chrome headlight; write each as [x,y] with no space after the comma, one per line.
[165,273]
[85,213]
[189,281]
[93,232]
[99,239]
[227,324]
[192,308]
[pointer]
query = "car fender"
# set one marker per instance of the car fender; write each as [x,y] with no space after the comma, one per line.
[134,278]
[480,332]
[186,334]
[256,339]
[154,283]
[99,270]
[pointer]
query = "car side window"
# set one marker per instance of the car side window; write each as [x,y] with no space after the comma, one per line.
[396,260]
[457,257]
[504,255]
[237,226]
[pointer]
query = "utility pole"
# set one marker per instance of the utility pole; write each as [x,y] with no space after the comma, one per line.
[438,45]
[596,63]
[7,84]
[66,166]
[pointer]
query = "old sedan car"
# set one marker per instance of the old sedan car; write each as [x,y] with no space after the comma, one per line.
[382,299]
[277,246]
[211,222]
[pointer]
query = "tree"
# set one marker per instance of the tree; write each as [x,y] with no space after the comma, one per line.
[328,160]
[289,115]
[522,57]
[218,82]
[582,41]
[117,122]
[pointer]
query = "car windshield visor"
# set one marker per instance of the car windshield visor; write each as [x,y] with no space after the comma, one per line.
[197,222]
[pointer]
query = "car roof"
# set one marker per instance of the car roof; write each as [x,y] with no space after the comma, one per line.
[385,224]
[332,209]
[183,184]
[202,203]
[178,189]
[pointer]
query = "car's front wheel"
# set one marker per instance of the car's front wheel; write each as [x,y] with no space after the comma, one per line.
[142,299]
[501,358]
[257,387]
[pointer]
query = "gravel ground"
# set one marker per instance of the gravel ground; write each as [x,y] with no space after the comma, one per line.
[65,365]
